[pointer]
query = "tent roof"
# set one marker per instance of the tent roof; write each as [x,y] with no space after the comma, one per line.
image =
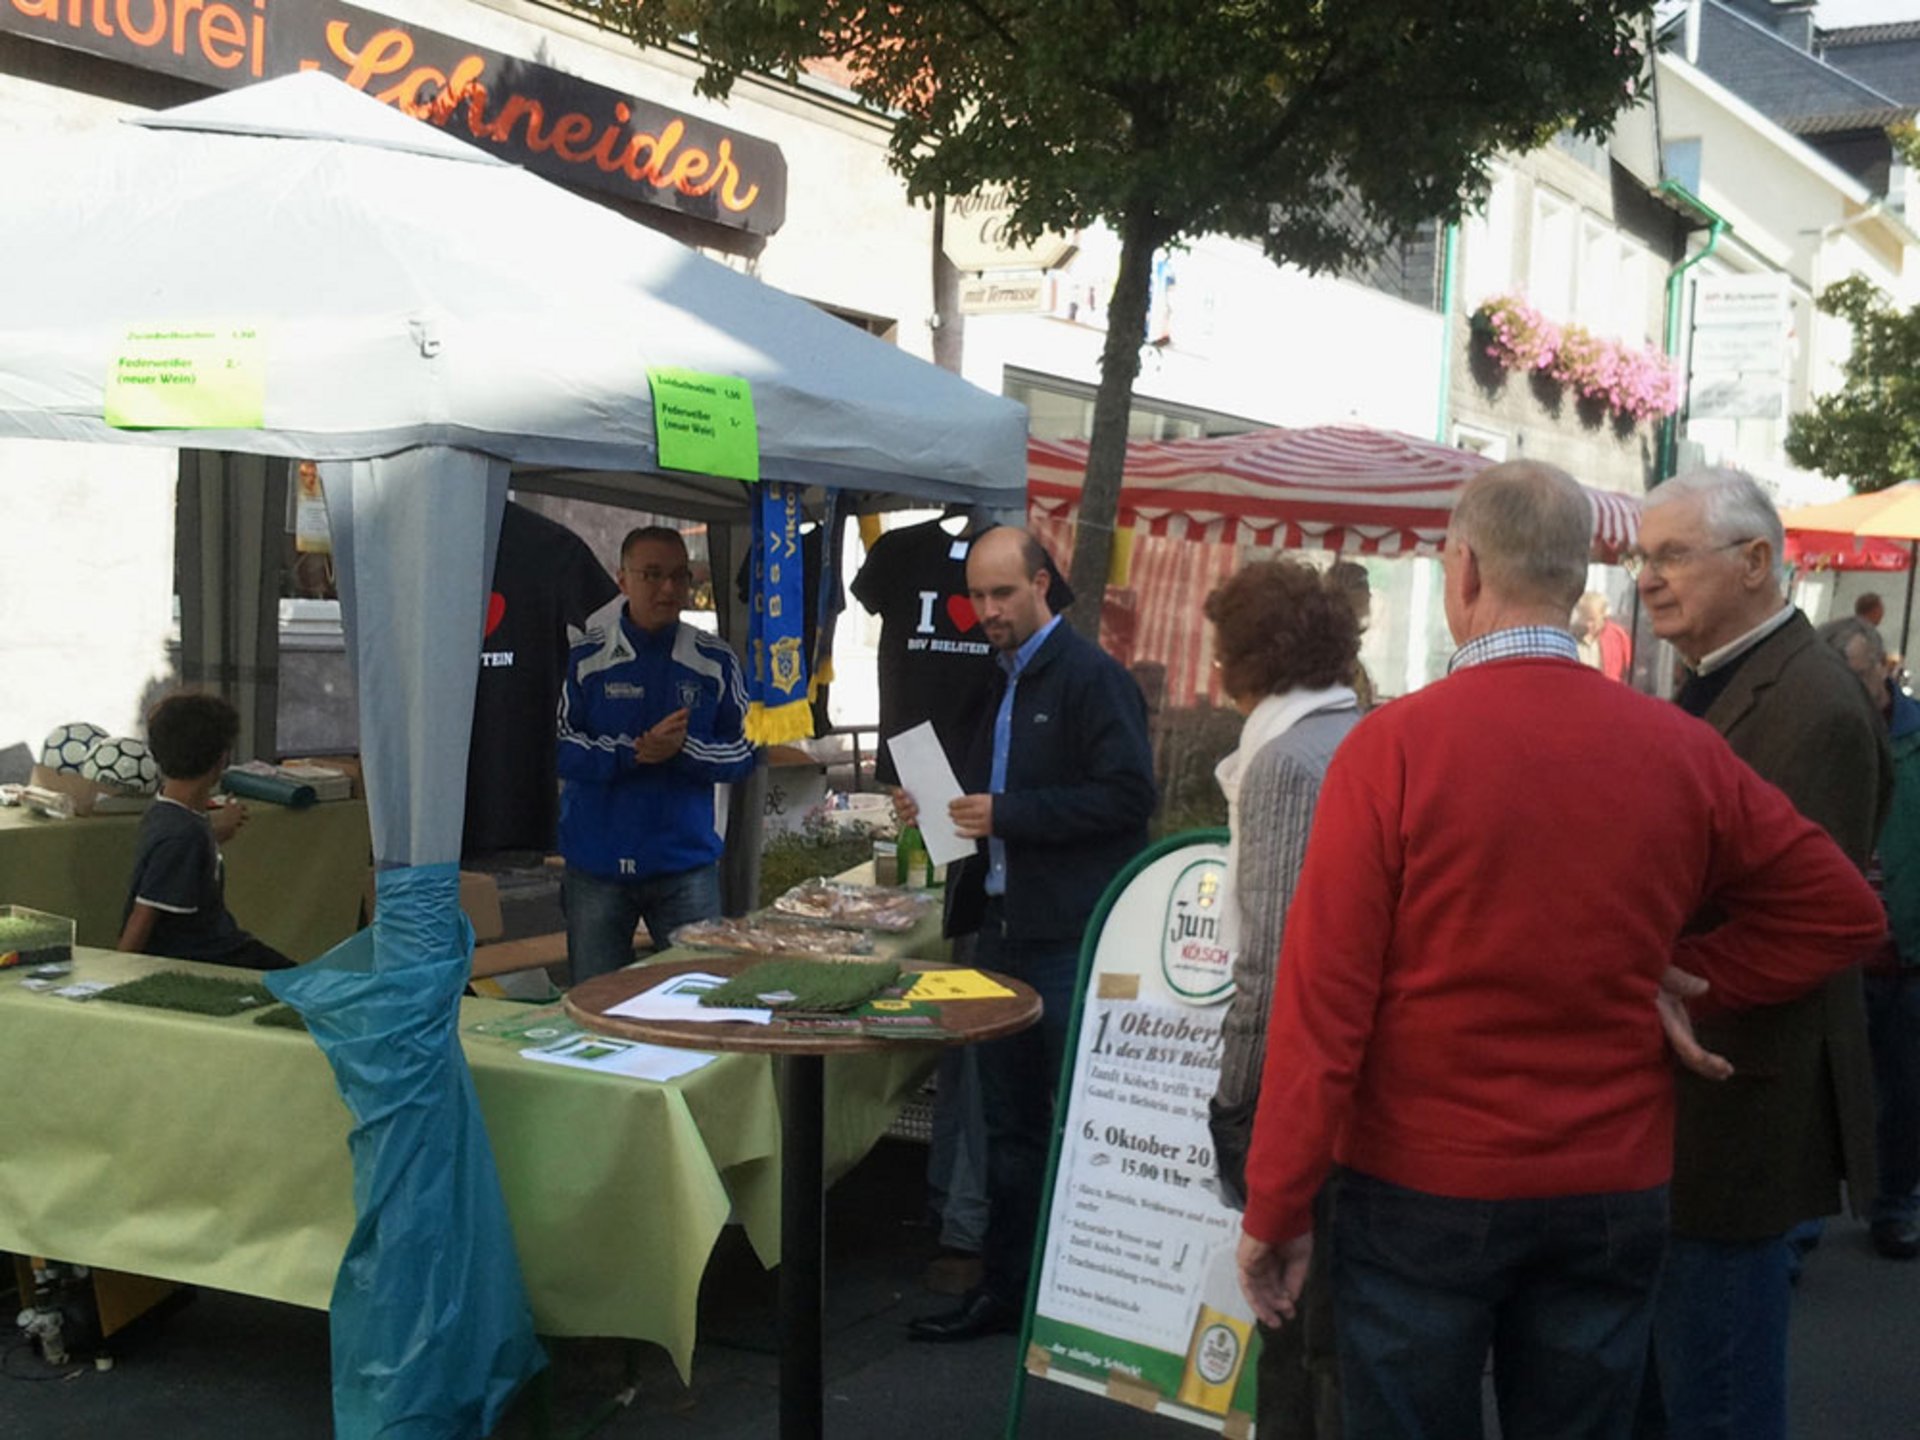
[413,290]
[1345,487]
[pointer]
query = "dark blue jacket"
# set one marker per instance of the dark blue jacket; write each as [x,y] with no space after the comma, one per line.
[1078,795]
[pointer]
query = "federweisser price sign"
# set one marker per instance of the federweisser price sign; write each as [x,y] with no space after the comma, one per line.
[1137,1295]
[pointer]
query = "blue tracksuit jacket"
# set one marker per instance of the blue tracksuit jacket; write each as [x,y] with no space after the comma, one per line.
[621,819]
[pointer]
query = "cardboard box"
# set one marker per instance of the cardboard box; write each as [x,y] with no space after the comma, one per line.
[479,898]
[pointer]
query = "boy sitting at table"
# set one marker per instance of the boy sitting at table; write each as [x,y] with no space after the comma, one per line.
[176,901]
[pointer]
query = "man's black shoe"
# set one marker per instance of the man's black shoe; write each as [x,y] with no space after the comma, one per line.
[979,1314]
[1897,1239]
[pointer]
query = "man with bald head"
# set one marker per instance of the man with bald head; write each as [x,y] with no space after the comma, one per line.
[1059,787]
[1467,1027]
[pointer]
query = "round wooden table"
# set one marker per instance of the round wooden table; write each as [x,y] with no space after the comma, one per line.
[802,1057]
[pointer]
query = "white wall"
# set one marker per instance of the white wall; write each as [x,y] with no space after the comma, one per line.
[1250,338]
[86,590]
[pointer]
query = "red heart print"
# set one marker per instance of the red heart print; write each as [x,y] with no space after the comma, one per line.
[961,612]
[496,611]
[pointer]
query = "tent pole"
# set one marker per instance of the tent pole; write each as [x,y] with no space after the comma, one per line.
[1906,610]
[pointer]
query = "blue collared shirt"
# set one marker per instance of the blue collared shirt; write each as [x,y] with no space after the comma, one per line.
[1518,642]
[1003,741]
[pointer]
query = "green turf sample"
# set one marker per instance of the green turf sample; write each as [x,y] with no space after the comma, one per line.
[815,986]
[284,1016]
[195,994]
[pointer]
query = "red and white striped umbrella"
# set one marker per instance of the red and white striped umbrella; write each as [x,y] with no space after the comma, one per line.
[1347,488]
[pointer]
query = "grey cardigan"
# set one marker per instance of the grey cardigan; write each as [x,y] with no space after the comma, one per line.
[1278,793]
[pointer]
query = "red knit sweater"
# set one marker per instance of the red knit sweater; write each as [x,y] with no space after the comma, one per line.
[1499,871]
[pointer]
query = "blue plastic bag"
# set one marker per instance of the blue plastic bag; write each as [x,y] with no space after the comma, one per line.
[432,1333]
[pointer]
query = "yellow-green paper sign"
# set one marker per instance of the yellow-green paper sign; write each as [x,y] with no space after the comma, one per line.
[704,423]
[188,377]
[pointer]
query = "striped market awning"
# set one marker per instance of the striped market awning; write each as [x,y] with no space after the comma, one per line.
[1346,488]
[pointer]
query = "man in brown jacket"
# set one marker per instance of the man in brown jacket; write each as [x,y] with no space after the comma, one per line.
[1759,1153]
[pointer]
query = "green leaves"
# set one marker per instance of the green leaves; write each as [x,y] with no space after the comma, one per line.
[1867,431]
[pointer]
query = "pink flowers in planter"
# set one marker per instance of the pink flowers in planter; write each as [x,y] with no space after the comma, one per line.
[1641,383]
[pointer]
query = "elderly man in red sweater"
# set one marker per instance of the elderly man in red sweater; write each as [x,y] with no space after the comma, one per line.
[1466,1028]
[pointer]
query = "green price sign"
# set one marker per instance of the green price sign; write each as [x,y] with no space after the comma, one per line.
[188,377]
[704,423]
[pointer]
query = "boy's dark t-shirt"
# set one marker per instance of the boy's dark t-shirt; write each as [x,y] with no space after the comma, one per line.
[178,870]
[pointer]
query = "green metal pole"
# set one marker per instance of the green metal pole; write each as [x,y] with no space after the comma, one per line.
[1717,225]
[1449,279]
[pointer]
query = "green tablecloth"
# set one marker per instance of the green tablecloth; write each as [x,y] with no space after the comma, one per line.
[295,878]
[213,1151]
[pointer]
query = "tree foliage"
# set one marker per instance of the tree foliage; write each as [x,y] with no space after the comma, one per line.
[1325,130]
[1868,431]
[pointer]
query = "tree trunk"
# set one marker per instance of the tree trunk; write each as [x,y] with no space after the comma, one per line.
[949,325]
[1140,236]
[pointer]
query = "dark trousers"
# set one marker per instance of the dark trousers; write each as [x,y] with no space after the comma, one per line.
[1560,1290]
[1298,1392]
[255,954]
[1019,1076]
[1893,1032]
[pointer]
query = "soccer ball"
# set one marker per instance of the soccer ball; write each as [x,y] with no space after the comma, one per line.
[66,746]
[121,762]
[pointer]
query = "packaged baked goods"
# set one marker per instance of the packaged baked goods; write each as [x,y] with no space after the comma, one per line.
[870,907]
[772,935]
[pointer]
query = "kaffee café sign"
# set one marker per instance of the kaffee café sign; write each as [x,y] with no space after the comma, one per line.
[974,235]
[567,129]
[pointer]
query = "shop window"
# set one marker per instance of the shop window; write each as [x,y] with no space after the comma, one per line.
[1063,410]
[1550,270]
[1487,243]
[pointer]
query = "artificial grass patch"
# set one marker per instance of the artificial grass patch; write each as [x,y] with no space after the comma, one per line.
[285,1016]
[194,994]
[816,986]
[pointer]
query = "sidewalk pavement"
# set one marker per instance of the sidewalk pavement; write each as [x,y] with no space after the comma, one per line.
[221,1366]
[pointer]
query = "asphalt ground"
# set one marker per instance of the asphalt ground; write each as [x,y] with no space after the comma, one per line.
[214,1365]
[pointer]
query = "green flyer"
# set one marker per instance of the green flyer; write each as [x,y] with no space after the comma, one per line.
[187,377]
[704,423]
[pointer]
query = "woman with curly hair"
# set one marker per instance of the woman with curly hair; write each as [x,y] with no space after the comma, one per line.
[1286,641]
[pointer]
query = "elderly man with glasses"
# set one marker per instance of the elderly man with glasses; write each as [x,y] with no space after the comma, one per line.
[652,717]
[1765,1152]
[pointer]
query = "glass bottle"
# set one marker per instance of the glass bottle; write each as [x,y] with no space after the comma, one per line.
[916,866]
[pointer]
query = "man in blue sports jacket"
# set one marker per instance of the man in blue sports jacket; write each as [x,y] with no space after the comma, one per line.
[652,717]
[1060,783]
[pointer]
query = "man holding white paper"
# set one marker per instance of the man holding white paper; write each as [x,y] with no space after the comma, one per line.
[1059,783]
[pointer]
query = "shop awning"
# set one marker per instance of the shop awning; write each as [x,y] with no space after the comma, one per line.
[1348,488]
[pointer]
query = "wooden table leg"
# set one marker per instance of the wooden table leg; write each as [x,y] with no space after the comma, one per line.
[802,1245]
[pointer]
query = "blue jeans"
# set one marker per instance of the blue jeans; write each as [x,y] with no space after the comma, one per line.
[1720,1339]
[1560,1290]
[1019,1075]
[1893,1032]
[602,914]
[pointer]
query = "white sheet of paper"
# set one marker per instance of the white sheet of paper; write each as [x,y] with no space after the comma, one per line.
[620,1057]
[926,775]
[679,999]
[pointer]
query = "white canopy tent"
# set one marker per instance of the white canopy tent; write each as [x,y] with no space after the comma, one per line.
[432,321]
[414,290]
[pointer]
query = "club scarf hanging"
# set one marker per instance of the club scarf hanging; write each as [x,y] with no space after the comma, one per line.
[777,686]
[831,599]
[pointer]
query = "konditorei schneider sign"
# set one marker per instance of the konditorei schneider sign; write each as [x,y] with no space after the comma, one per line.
[568,129]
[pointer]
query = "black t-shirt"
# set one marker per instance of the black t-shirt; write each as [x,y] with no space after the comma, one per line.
[545,578]
[178,870]
[935,663]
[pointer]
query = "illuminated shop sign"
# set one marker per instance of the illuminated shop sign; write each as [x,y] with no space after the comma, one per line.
[567,129]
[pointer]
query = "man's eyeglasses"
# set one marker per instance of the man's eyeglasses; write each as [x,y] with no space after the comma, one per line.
[654,575]
[1636,561]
